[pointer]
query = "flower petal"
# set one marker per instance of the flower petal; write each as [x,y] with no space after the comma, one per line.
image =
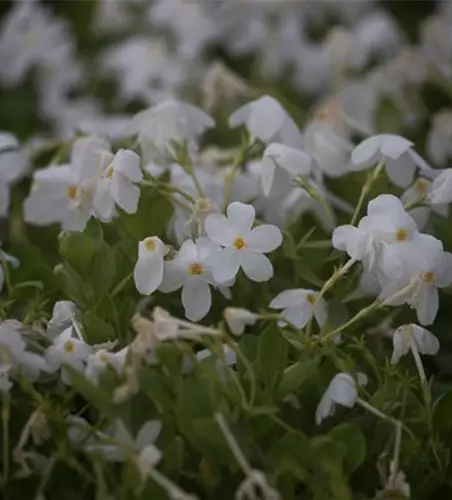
[265,238]
[444,270]
[219,229]
[365,153]
[427,304]
[196,299]
[127,162]
[148,273]
[241,217]
[289,298]
[255,265]
[225,265]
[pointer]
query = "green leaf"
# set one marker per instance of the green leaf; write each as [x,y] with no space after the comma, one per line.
[352,438]
[155,386]
[103,273]
[173,459]
[78,250]
[442,412]
[93,394]
[272,356]
[73,284]
[294,376]
[96,329]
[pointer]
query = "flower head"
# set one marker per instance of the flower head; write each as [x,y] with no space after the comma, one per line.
[148,272]
[342,391]
[426,342]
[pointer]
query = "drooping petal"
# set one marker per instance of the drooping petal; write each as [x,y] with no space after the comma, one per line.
[196,299]
[426,342]
[255,265]
[444,270]
[174,276]
[125,194]
[265,238]
[320,311]
[148,272]
[365,153]
[401,345]
[401,171]
[127,162]
[219,229]
[298,315]
[148,433]
[289,298]
[384,204]
[343,390]
[103,204]
[393,146]
[427,304]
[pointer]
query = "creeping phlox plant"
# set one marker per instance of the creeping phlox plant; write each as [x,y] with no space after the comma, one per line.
[233,298]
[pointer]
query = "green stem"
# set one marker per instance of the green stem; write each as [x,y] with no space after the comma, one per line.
[372,177]
[383,416]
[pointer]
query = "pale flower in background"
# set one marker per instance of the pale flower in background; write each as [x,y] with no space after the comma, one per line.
[64,314]
[299,306]
[101,359]
[404,336]
[400,160]
[441,189]
[238,319]
[342,391]
[439,139]
[266,120]
[244,247]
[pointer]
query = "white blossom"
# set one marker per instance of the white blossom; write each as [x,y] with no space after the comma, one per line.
[244,247]
[342,391]
[268,121]
[191,270]
[405,335]
[238,319]
[441,189]
[395,151]
[299,306]
[101,359]
[64,314]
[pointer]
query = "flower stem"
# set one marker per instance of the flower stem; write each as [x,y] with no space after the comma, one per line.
[233,445]
[383,416]
[372,177]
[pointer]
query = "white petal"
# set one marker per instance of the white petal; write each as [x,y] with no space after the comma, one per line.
[148,273]
[427,342]
[320,311]
[241,216]
[239,116]
[268,174]
[400,345]
[365,153]
[125,194]
[104,204]
[148,433]
[401,171]
[393,146]
[343,390]
[226,265]
[265,238]
[324,409]
[196,299]
[127,162]
[444,270]
[427,304]
[298,315]
[384,204]
[219,229]
[289,298]
[255,265]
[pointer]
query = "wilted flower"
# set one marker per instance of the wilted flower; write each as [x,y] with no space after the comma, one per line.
[238,319]
[406,335]
[342,391]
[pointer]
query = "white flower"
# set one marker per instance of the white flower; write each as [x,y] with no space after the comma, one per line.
[64,314]
[102,359]
[244,247]
[65,193]
[169,122]
[380,238]
[395,151]
[405,335]
[342,390]
[124,444]
[439,139]
[67,350]
[427,268]
[299,305]
[117,184]
[441,190]
[293,161]
[268,121]
[191,269]
[238,319]
[148,272]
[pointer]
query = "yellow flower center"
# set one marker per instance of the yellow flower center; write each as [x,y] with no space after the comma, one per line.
[239,243]
[429,277]
[311,298]
[402,235]
[68,346]
[104,358]
[420,187]
[150,244]
[72,192]
[109,173]
[195,269]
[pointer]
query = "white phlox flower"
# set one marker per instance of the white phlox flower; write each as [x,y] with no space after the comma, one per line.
[420,192]
[381,237]
[66,193]
[101,359]
[395,151]
[67,350]
[293,161]
[170,122]
[299,306]
[238,319]
[404,337]
[191,270]
[342,391]
[244,247]
[148,271]
[268,121]
[120,173]
[427,267]
[441,189]
[124,445]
